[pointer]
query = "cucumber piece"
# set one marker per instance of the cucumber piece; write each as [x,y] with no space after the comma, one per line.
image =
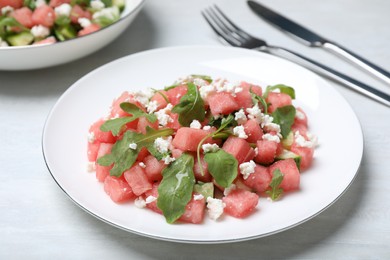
[288,141]
[120,4]
[65,32]
[20,39]
[286,154]
[206,189]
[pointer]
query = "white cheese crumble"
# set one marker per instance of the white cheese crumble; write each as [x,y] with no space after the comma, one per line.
[142,165]
[210,148]
[247,168]
[222,85]
[140,202]
[152,106]
[143,96]
[162,145]
[206,127]
[239,131]
[255,113]
[198,197]
[256,151]
[200,82]
[302,142]
[111,13]
[215,208]
[240,117]
[162,115]
[167,159]
[63,10]
[97,4]
[84,22]
[150,199]
[206,90]
[299,114]
[40,31]
[195,124]
[271,137]
[229,189]
[91,137]
[133,146]
[7,9]
[39,3]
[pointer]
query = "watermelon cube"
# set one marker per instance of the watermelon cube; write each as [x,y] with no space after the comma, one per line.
[153,168]
[244,98]
[206,177]
[187,139]
[118,189]
[99,135]
[239,148]
[290,171]
[300,117]
[175,94]
[266,151]
[137,180]
[78,12]
[259,180]
[306,154]
[253,130]
[103,171]
[240,203]
[23,16]
[222,103]
[43,15]
[12,3]
[194,212]
[92,151]
[158,97]
[277,100]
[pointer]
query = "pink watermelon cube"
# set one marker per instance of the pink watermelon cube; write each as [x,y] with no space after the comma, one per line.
[206,177]
[253,130]
[137,179]
[239,148]
[78,12]
[290,171]
[240,203]
[301,117]
[103,171]
[43,15]
[153,168]
[194,212]
[23,16]
[99,135]
[277,100]
[306,154]
[175,94]
[92,151]
[89,29]
[244,98]
[266,151]
[187,139]
[159,98]
[259,180]
[12,3]
[118,189]
[222,103]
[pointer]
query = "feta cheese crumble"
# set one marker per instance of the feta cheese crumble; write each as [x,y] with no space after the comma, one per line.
[255,113]
[142,165]
[40,31]
[133,146]
[111,13]
[162,145]
[152,106]
[205,90]
[239,131]
[207,148]
[302,142]
[240,117]
[195,124]
[6,9]
[143,96]
[271,137]
[150,199]
[39,3]
[84,22]
[162,115]
[198,197]
[140,202]
[167,159]
[215,208]
[247,168]
[206,127]
[63,10]
[97,4]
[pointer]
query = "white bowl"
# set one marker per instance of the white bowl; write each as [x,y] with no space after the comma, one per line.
[41,56]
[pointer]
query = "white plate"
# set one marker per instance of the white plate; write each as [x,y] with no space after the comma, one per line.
[331,119]
[46,55]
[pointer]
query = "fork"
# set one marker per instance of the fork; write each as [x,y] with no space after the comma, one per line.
[236,37]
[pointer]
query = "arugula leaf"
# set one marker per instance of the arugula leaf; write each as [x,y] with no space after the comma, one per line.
[275,192]
[256,99]
[206,189]
[190,107]
[123,157]
[30,4]
[116,125]
[283,89]
[222,166]
[176,187]
[284,116]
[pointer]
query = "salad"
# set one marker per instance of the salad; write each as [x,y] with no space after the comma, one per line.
[27,22]
[201,146]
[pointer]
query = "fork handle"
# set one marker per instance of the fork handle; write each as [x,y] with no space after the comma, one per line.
[332,74]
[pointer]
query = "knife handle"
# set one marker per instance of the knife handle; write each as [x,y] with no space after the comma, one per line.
[358,60]
[333,74]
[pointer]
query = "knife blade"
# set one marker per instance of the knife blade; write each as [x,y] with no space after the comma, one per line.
[314,40]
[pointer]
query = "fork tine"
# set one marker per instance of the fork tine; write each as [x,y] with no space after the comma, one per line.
[233,26]
[218,28]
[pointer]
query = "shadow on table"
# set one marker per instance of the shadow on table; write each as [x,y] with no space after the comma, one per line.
[54,81]
[288,244]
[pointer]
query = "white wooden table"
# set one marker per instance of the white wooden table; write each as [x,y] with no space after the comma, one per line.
[37,220]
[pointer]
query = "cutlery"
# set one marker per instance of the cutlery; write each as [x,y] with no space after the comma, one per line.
[236,37]
[314,40]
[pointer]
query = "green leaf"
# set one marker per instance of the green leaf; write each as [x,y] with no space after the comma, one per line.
[190,107]
[284,116]
[256,99]
[206,189]
[275,191]
[283,89]
[204,77]
[176,187]
[123,157]
[30,4]
[116,125]
[222,166]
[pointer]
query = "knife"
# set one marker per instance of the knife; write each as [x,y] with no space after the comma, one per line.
[314,40]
